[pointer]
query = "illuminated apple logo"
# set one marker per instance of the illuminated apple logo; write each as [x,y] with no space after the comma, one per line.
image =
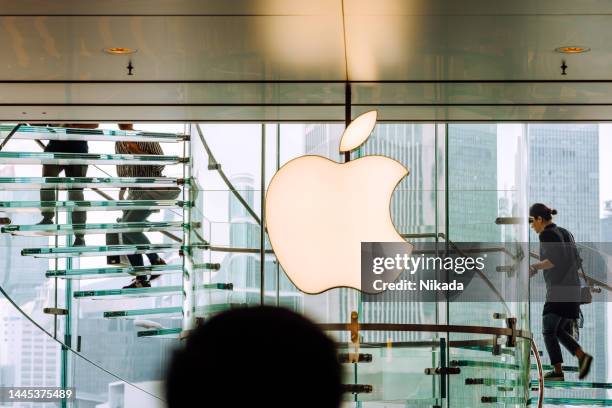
[318,212]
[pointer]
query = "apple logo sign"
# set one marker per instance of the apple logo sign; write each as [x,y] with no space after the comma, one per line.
[318,212]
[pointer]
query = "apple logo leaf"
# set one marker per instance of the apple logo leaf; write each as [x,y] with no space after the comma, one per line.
[358,131]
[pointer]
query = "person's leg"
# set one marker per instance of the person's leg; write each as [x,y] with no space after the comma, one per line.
[141,238]
[135,238]
[76,194]
[566,339]
[48,194]
[573,347]
[550,325]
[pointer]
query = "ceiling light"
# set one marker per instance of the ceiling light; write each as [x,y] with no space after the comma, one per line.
[120,50]
[574,49]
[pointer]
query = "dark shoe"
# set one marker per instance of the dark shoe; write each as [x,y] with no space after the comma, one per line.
[158,262]
[584,364]
[45,221]
[78,241]
[138,283]
[554,376]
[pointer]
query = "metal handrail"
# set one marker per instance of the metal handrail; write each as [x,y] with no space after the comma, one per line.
[417,327]
[10,135]
[68,347]
[227,182]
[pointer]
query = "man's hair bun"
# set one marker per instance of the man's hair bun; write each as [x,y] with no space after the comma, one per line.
[553,211]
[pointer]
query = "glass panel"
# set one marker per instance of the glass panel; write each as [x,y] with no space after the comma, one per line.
[396,372]
[486,181]
[569,170]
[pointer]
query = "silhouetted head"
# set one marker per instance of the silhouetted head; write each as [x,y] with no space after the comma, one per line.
[260,356]
[540,216]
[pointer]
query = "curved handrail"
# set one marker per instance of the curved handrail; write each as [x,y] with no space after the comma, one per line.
[227,182]
[10,135]
[419,327]
[67,347]
[536,353]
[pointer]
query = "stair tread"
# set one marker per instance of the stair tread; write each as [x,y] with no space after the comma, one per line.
[121,271]
[86,158]
[104,205]
[66,229]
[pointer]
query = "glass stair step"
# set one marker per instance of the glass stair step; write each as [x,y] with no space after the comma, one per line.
[86,158]
[357,388]
[492,381]
[503,400]
[142,292]
[571,384]
[68,252]
[126,293]
[493,364]
[161,333]
[165,312]
[594,402]
[207,266]
[548,367]
[70,229]
[200,311]
[111,272]
[104,135]
[483,364]
[489,349]
[111,205]
[13,183]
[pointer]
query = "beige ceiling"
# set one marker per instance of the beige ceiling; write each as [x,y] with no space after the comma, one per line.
[290,40]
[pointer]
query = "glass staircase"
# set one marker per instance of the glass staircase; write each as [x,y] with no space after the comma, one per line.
[439,369]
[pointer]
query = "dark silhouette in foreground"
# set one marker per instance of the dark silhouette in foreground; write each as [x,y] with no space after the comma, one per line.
[260,356]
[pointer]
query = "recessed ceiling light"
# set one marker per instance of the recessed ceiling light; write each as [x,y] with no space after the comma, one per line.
[120,50]
[574,49]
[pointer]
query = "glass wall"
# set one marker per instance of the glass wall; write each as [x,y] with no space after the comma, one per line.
[468,184]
